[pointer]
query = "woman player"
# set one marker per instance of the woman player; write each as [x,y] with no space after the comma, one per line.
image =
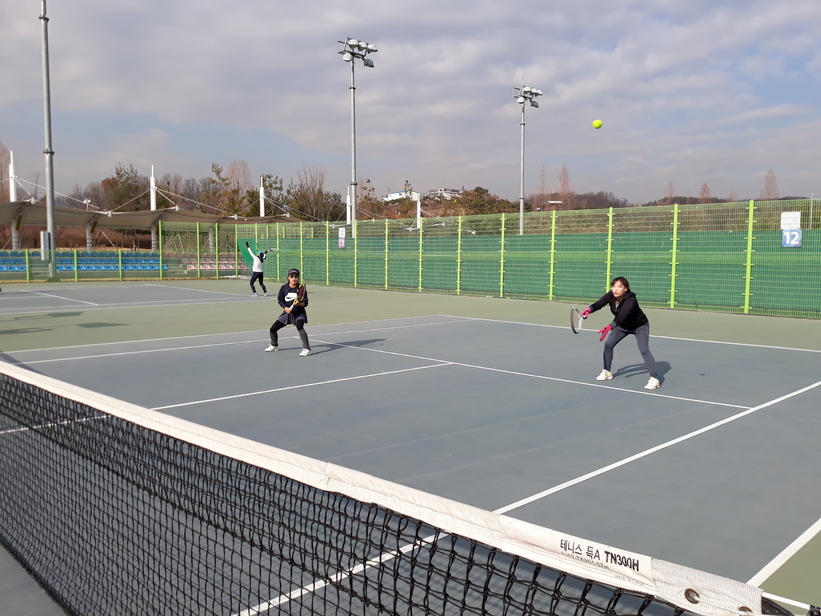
[628,318]
[293,313]
[256,270]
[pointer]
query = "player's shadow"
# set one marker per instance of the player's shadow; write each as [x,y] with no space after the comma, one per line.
[662,367]
[327,347]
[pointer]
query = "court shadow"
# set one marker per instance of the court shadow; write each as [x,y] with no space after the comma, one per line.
[662,367]
[327,347]
[47,315]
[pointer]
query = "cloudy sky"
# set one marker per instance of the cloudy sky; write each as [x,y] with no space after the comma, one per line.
[690,92]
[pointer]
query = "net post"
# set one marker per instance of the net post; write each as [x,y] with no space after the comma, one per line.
[459,258]
[674,258]
[749,256]
[609,257]
[552,253]
[502,260]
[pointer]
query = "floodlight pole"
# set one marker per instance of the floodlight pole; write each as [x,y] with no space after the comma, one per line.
[49,153]
[522,177]
[523,95]
[353,186]
[351,50]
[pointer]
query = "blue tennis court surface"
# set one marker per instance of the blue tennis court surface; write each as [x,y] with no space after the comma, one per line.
[715,470]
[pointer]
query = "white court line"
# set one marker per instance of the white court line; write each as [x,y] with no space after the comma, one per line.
[788,552]
[169,286]
[278,389]
[742,344]
[647,452]
[241,333]
[538,376]
[68,299]
[142,352]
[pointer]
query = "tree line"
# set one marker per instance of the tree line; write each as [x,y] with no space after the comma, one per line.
[231,191]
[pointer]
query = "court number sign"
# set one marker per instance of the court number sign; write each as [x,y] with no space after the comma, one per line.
[791,238]
[790,229]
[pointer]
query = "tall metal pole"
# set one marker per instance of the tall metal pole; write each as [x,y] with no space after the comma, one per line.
[522,178]
[49,153]
[353,147]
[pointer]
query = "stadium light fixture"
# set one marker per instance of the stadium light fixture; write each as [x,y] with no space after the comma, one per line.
[352,49]
[523,95]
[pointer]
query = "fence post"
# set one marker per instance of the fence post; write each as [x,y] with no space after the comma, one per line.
[387,254]
[199,256]
[609,259]
[502,260]
[355,254]
[552,253]
[420,254]
[749,264]
[459,258]
[301,258]
[327,253]
[159,239]
[217,249]
[674,259]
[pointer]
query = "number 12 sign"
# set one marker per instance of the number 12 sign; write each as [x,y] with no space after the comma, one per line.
[791,238]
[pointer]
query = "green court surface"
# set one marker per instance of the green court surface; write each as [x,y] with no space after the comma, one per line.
[488,401]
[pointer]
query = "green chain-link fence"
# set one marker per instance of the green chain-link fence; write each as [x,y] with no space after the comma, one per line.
[730,257]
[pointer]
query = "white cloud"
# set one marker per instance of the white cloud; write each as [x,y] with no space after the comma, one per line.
[688,91]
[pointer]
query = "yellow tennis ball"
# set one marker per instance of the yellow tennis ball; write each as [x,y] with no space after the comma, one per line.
[597,123]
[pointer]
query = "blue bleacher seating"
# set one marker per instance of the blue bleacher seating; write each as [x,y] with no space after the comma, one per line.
[4,268]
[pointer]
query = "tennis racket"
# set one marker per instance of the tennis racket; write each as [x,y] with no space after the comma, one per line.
[576,320]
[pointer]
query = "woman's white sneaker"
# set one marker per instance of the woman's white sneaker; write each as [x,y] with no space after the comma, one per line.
[653,383]
[605,376]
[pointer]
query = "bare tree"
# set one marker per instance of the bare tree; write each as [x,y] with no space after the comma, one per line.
[308,198]
[770,190]
[565,190]
[669,193]
[732,197]
[704,195]
[239,176]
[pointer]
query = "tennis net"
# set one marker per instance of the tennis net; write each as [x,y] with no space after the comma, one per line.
[115,509]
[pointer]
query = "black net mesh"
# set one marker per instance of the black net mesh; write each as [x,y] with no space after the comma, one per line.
[114,518]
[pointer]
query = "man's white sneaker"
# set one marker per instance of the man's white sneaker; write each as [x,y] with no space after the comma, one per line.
[653,383]
[305,352]
[265,294]
[271,348]
[253,294]
[604,376]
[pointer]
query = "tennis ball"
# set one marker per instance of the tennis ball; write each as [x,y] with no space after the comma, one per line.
[597,123]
